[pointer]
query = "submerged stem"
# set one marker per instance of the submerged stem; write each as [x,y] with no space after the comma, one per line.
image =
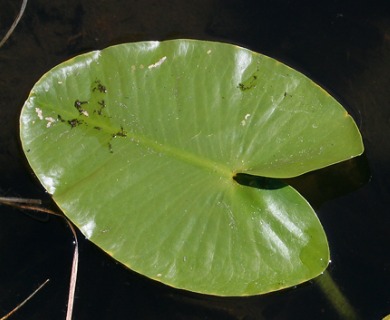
[333,293]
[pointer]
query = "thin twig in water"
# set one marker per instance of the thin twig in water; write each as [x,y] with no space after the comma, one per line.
[15,23]
[19,200]
[73,276]
[24,301]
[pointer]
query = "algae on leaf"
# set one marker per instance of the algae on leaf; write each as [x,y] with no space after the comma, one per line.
[142,146]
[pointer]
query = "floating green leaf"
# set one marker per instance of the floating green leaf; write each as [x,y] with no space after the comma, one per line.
[151,149]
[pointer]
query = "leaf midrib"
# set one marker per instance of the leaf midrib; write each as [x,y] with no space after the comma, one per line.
[189,157]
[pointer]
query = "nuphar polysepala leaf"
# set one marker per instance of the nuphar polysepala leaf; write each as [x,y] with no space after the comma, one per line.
[152,149]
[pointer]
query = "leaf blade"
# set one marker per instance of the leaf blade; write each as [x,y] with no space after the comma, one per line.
[140,143]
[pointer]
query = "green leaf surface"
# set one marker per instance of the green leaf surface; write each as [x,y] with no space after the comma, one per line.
[142,145]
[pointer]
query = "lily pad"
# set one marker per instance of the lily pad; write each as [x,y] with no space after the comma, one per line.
[154,151]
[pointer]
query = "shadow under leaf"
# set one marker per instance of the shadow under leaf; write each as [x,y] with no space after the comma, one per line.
[259,182]
[320,185]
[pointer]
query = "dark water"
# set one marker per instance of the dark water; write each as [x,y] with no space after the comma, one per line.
[343,45]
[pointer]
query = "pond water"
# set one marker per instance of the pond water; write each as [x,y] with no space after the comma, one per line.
[345,47]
